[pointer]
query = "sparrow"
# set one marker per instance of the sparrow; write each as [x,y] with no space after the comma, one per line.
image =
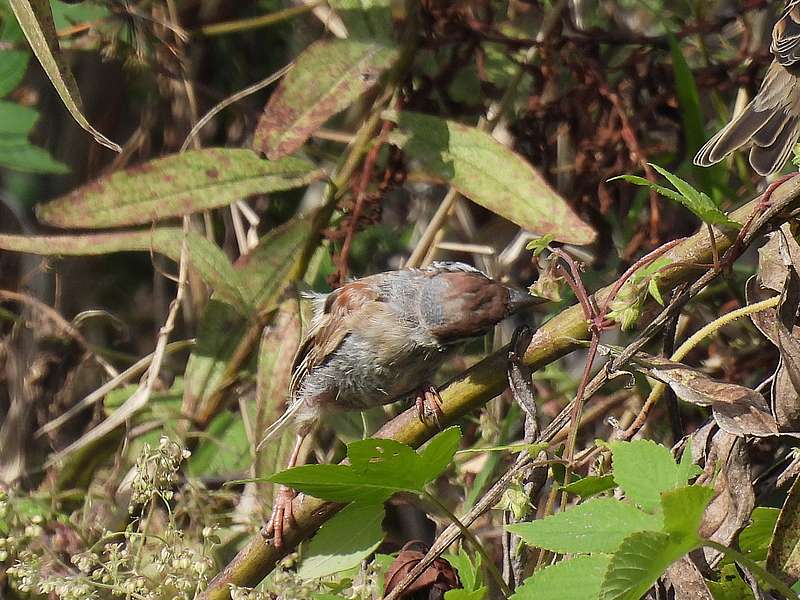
[380,339]
[770,124]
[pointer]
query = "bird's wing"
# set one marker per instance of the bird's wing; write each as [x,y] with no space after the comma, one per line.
[332,323]
[786,35]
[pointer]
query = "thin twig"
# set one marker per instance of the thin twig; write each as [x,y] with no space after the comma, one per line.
[252,89]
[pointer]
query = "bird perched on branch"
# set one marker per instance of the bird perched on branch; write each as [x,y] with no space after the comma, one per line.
[380,339]
[770,124]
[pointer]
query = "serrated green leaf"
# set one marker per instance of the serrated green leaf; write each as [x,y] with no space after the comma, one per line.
[36,20]
[327,77]
[176,185]
[438,453]
[378,468]
[577,579]
[639,561]
[683,510]
[343,542]
[488,173]
[469,571]
[591,485]
[597,525]
[644,469]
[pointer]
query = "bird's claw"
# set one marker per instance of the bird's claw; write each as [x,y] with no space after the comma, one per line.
[429,403]
[282,516]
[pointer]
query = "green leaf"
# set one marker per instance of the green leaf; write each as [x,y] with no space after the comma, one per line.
[591,485]
[176,185]
[265,271]
[688,98]
[691,113]
[343,542]
[730,585]
[644,469]
[699,203]
[208,259]
[756,537]
[597,525]
[479,594]
[221,328]
[365,19]
[65,14]
[540,244]
[223,450]
[469,572]
[17,153]
[683,510]
[577,579]
[378,468]
[13,63]
[687,470]
[438,453]
[16,119]
[36,20]
[783,557]
[488,173]
[327,77]
[652,289]
[639,561]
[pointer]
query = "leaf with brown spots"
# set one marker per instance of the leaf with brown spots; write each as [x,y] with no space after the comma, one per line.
[327,77]
[206,258]
[265,271]
[488,173]
[176,185]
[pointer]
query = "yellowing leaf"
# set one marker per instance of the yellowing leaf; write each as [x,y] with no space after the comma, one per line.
[488,173]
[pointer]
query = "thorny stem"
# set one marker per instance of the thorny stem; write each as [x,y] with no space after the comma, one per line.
[487,560]
[597,322]
[748,562]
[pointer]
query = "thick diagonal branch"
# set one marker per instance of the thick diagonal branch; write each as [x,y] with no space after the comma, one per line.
[485,380]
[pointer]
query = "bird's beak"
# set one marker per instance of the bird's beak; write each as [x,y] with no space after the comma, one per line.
[517,299]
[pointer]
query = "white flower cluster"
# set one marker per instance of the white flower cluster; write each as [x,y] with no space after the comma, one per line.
[157,471]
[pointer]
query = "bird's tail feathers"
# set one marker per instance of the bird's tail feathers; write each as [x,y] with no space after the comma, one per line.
[278,426]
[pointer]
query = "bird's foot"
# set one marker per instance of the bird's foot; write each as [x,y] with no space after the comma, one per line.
[282,516]
[429,404]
